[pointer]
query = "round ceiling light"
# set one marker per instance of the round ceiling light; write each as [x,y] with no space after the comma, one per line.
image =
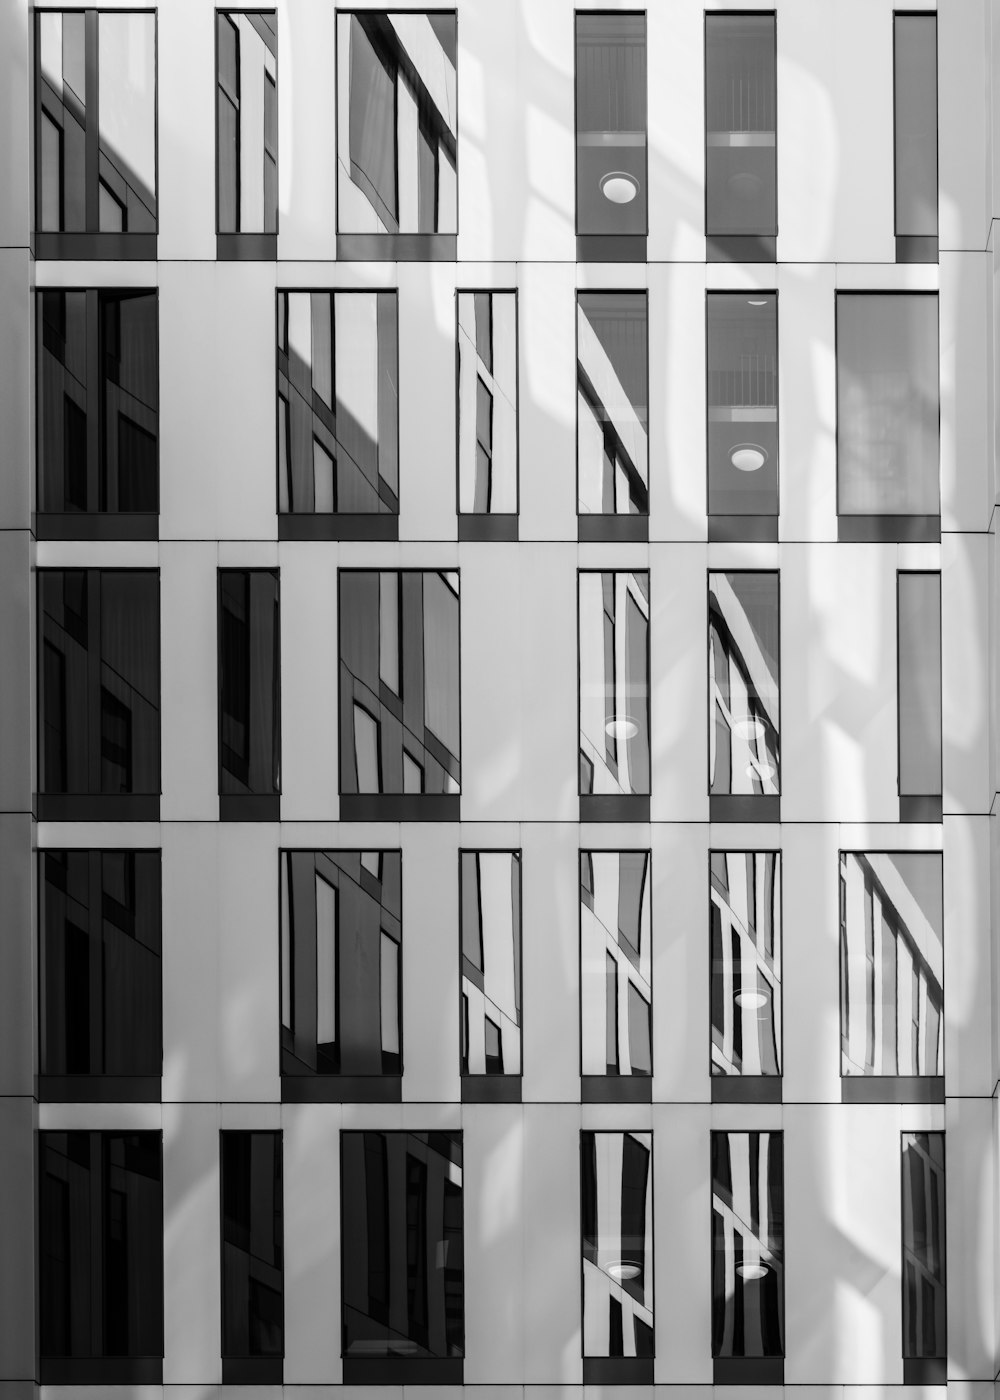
[745,184]
[751,1001]
[623,1269]
[747,457]
[752,1271]
[619,187]
[763,770]
[621,729]
[760,301]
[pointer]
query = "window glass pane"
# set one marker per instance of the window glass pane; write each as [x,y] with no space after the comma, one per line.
[742,403]
[127,112]
[62,95]
[748,1277]
[925,1311]
[740,103]
[614,680]
[888,404]
[745,903]
[616,992]
[617,1229]
[487,403]
[612,382]
[128,357]
[249,679]
[919,680]
[491,955]
[744,676]
[252,1245]
[62,400]
[915,126]
[247,149]
[610,124]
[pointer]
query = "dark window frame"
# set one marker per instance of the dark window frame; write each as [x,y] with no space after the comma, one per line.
[254,1369]
[249,806]
[490,1087]
[492,525]
[236,245]
[929,807]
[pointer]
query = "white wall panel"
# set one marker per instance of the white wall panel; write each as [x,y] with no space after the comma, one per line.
[962,124]
[683,1232]
[427,489]
[495,779]
[312,1242]
[186,78]
[309,681]
[550,1281]
[191,1225]
[493,1199]
[248,950]
[546,313]
[430,962]
[965,332]
[680,931]
[307,114]
[965,682]
[189,705]
[550,885]
[191,961]
[807,403]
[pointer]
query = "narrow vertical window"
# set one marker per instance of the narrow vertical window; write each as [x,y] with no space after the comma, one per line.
[742,366]
[253,1322]
[487,415]
[925,1299]
[247,133]
[614,696]
[612,416]
[916,136]
[249,695]
[745,934]
[744,696]
[611,167]
[490,934]
[741,205]
[616,987]
[918,600]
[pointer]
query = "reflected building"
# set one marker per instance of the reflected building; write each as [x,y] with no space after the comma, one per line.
[487,412]
[490,1017]
[612,415]
[745,901]
[247,125]
[743,682]
[925,1310]
[614,694]
[616,991]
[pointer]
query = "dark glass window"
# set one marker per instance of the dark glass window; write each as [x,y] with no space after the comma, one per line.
[744,695]
[247,130]
[490,912]
[742,408]
[612,399]
[614,684]
[925,1299]
[338,404]
[249,685]
[748,1231]
[745,914]
[99,969]
[610,123]
[341,969]
[98,404]
[253,1323]
[617,1228]
[919,694]
[741,205]
[402,1253]
[916,137]
[487,403]
[892,964]
[100,1289]
[99,689]
[96,125]
[616,988]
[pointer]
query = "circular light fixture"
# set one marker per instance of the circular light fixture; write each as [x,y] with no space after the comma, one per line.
[749,729]
[752,1271]
[621,729]
[763,770]
[623,1269]
[751,301]
[751,1001]
[745,184]
[747,457]
[619,187]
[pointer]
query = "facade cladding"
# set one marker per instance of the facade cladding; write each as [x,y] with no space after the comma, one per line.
[498,588]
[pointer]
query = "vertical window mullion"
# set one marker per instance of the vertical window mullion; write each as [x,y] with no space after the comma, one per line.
[93,131]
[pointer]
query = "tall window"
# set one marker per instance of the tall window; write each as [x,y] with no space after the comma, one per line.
[397,134]
[338,415]
[99,975]
[402,1264]
[399,696]
[918,685]
[617,1228]
[745,905]
[490,1016]
[99,694]
[916,137]
[100,1258]
[888,408]
[253,1280]
[744,696]
[95,133]
[748,1258]
[925,1298]
[612,437]
[616,976]
[249,695]
[611,167]
[742,366]
[487,415]
[614,696]
[341,975]
[247,132]
[741,204]
[891,976]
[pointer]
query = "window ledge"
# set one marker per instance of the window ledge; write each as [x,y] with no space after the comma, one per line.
[341,1088]
[368,526]
[616,1088]
[491,1088]
[99,1088]
[892,1088]
[249,807]
[749,807]
[98,807]
[400,807]
[889,529]
[120,247]
[618,1370]
[397,247]
[614,807]
[86,525]
[404,1370]
[614,527]
[252,1370]
[748,1370]
[742,248]
[746,1088]
[920,809]
[101,1370]
[911,248]
[246,247]
[487,527]
[727,529]
[611,247]
[925,1370]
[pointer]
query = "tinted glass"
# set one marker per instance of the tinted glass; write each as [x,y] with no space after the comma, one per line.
[748,1276]
[614,682]
[252,1245]
[742,403]
[610,124]
[247,126]
[740,105]
[744,675]
[491,962]
[617,1228]
[487,403]
[745,905]
[616,990]
[919,680]
[612,397]
[249,682]
[915,126]
[925,1299]
[62,97]
[127,121]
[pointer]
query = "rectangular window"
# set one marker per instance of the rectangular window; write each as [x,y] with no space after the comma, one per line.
[399,745]
[613,612]
[402,1265]
[95,177]
[742,367]
[99,694]
[888,412]
[918,681]
[487,415]
[925,1298]
[612,439]
[97,414]
[338,415]
[247,132]
[748,1264]
[341,955]
[891,976]
[745,932]
[916,137]
[249,695]
[397,134]
[616,976]
[741,97]
[253,1281]
[617,1229]
[99,975]
[490,937]
[611,166]
[100,1258]
[744,664]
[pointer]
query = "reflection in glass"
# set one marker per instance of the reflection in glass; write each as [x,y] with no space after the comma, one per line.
[748,1276]
[399,681]
[253,1321]
[888,404]
[616,990]
[99,972]
[487,403]
[891,963]
[918,599]
[402,1252]
[740,105]
[249,682]
[614,683]
[341,962]
[743,672]
[745,894]
[397,126]
[742,403]
[491,962]
[925,1302]
[338,403]
[612,397]
[248,121]
[610,123]
[915,125]
[617,1211]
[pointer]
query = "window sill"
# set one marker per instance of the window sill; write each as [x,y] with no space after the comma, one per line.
[397,247]
[341,1088]
[99,1088]
[614,807]
[400,807]
[252,1370]
[404,1370]
[616,1088]
[889,529]
[614,528]
[249,807]
[101,1370]
[487,527]
[913,249]
[121,247]
[333,526]
[920,809]
[618,1370]
[611,247]
[86,525]
[746,1088]
[892,1088]
[98,807]
[491,1088]
[748,1370]
[750,807]
[246,247]
[925,1370]
[730,529]
[741,248]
